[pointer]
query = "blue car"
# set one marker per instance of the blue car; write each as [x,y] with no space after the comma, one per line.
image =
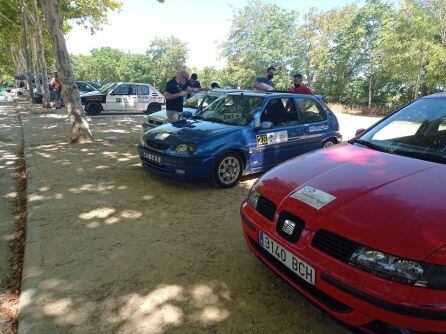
[238,134]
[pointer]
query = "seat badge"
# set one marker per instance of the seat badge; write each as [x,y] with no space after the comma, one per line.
[313,197]
[288,227]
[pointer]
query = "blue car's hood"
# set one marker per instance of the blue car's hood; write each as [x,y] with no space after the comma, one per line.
[189,131]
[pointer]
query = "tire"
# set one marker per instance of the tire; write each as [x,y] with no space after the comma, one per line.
[152,108]
[329,143]
[228,170]
[93,108]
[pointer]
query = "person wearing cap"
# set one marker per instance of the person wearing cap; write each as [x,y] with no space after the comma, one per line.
[299,87]
[265,84]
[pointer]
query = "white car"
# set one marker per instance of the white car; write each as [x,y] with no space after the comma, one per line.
[123,96]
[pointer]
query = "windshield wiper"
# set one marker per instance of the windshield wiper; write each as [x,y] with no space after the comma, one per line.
[213,120]
[369,145]
[421,155]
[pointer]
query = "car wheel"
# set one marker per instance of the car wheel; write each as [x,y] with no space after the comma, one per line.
[330,143]
[228,170]
[153,107]
[93,108]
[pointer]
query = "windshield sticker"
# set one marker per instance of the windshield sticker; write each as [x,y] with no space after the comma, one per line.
[272,138]
[315,128]
[162,136]
[313,197]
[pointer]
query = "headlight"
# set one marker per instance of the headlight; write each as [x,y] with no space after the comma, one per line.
[253,196]
[186,148]
[388,266]
[143,140]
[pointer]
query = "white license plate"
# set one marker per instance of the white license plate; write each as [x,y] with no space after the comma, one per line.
[152,157]
[296,265]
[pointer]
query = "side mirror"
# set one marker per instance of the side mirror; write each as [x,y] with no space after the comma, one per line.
[187,114]
[265,126]
[359,132]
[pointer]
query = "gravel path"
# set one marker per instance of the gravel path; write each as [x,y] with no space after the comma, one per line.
[111,249]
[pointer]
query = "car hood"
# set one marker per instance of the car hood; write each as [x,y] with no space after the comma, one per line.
[189,131]
[162,115]
[93,93]
[384,201]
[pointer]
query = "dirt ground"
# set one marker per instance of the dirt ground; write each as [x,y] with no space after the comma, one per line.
[111,249]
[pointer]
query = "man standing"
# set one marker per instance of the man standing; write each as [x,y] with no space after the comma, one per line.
[265,84]
[194,83]
[176,89]
[299,87]
[57,87]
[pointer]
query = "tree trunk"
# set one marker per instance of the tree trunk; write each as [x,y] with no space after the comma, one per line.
[80,131]
[32,43]
[41,54]
[25,46]
[370,79]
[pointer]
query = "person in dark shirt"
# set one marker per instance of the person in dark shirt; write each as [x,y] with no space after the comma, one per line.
[264,83]
[299,87]
[176,89]
[193,82]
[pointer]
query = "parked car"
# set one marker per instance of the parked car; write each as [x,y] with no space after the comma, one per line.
[239,133]
[193,105]
[123,97]
[86,87]
[360,228]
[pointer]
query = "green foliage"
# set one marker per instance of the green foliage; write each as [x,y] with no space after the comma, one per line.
[160,63]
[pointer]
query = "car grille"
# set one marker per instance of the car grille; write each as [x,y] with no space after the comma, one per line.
[157,145]
[155,122]
[266,208]
[334,245]
[297,230]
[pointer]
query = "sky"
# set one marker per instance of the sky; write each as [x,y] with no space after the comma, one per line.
[202,24]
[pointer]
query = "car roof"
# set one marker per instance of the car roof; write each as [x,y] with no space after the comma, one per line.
[132,83]
[267,94]
[436,96]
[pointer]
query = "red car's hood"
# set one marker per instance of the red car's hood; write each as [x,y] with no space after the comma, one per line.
[388,202]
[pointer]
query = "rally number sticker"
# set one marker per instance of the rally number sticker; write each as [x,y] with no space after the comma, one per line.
[262,140]
[272,138]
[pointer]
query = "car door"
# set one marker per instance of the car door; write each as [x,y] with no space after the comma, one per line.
[142,98]
[117,97]
[131,99]
[314,119]
[283,140]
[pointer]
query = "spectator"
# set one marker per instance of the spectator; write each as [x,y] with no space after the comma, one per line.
[215,85]
[57,87]
[264,83]
[176,89]
[299,87]
[193,82]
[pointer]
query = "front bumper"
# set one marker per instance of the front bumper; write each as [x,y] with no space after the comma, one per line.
[178,168]
[352,296]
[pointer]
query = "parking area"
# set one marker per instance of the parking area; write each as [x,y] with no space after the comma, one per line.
[111,249]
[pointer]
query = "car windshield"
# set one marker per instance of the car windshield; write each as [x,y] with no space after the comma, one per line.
[107,87]
[232,109]
[201,99]
[417,131]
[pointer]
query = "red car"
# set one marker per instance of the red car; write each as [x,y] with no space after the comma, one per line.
[360,228]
